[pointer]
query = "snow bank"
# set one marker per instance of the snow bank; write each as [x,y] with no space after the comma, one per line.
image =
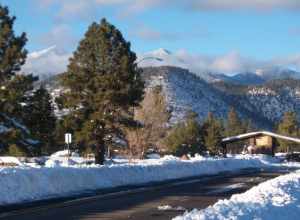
[64,153]
[34,183]
[278,198]
[62,159]
[10,160]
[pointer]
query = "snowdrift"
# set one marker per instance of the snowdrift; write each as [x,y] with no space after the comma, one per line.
[278,198]
[24,184]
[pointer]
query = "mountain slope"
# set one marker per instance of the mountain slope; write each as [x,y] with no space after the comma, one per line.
[186,91]
[248,78]
[263,104]
[268,101]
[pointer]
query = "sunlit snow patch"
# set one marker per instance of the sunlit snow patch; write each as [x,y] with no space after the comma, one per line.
[170,208]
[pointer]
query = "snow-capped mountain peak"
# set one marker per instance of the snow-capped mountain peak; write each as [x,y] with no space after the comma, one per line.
[161,52]
[46,62]
[40,53]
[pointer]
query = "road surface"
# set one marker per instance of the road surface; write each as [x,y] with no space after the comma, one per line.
[143,203]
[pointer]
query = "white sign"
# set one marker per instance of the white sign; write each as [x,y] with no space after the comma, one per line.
[68,138]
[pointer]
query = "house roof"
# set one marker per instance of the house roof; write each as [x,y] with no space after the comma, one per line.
[259,133]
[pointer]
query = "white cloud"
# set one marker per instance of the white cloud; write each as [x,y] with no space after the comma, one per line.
[69,9]
[230,63]
[292,61]
[258,5]
[52,61]
[129,7]
[46,62]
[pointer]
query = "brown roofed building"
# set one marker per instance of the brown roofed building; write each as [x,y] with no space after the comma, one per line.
[260,142]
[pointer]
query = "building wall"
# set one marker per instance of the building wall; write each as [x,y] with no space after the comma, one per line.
[264,141]
[263,145]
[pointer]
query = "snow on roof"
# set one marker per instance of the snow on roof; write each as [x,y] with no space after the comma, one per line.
[257,133]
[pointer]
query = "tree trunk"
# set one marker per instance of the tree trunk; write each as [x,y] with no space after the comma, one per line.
[100,153]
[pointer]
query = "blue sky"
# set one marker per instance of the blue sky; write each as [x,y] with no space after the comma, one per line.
[259,30]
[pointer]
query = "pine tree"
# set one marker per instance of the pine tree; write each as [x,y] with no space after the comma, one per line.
[289,126]
[234,125]
[12,50]
[40,118]
[247,126]
[14,87]
[213,130]
[186,137]
[102,82]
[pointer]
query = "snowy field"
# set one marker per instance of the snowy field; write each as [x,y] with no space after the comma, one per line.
[63,177]
[278,198]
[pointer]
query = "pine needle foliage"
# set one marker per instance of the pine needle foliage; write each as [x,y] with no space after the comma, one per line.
[102,82]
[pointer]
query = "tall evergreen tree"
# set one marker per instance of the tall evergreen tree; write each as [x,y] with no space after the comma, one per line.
[234,125]
[213,130]
[12,50]
[40,118]
[248,126]
[14,87]
[102,82]
[289,126]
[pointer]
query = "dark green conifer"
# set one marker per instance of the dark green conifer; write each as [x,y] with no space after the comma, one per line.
[40,118]
[213,130]
[102,82]
[234,125]
[186,137]
[289,126]
[14,87]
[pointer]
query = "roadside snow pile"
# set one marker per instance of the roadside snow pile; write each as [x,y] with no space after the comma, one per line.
[65,158]
[60,162]
[24,183]
[64,153]
[278,198]
[10,160]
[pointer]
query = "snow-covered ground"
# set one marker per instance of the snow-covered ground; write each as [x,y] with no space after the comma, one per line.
[170,208]
[278,198]
[63,176]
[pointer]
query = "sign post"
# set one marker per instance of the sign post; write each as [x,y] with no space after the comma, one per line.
[68,141]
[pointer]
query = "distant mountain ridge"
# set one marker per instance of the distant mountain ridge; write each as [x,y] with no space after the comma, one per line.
[203,67]
[251,78]
[263,104]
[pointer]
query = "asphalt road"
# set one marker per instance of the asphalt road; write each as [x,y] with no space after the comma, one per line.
[143,203]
